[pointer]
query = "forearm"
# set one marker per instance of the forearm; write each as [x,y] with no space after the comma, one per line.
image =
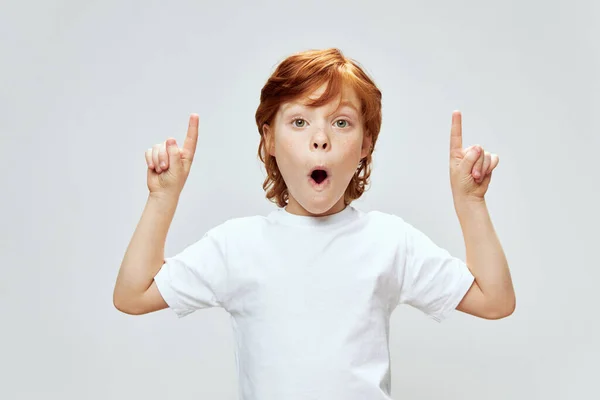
[484,254]
[145,254]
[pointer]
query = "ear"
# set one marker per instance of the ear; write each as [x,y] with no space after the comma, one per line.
[268,134]
[366,145]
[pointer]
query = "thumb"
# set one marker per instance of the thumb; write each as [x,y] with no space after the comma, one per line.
[469,160]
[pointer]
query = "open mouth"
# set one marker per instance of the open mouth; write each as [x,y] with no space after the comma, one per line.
[319,176]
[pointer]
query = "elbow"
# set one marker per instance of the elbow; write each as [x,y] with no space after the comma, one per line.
[503,309]
[125,305]
[121,305]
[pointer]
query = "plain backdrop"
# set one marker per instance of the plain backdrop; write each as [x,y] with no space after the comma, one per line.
[87,86]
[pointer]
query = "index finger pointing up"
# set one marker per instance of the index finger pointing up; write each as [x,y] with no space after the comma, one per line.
[456,131]
[191,139]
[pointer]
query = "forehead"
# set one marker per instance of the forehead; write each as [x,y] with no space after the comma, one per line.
[348,98]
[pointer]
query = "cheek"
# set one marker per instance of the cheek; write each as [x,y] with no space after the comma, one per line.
[351,151]
[287,153]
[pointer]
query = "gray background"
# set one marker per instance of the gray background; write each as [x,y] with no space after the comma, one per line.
[87,87]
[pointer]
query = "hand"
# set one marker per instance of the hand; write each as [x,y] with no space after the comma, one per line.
[470,168]
[169,165]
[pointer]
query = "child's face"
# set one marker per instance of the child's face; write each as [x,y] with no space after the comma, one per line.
[331,141]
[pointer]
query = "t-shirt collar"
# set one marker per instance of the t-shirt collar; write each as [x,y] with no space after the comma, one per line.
[284,217]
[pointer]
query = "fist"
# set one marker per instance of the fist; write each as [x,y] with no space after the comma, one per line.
[169,165]
[470,168]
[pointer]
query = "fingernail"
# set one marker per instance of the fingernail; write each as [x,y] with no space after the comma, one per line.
[163,164]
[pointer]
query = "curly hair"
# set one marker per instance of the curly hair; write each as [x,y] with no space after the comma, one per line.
[299,75]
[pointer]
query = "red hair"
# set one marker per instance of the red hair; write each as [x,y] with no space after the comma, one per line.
[301,74]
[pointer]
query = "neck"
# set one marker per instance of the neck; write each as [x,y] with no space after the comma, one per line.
[294,207]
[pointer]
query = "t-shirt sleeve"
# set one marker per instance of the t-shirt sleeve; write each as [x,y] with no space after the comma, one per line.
[432,280]
[196,278]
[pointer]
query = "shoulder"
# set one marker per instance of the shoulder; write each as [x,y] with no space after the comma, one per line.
[384,224]
[384,228]
[384,220]
[238,227]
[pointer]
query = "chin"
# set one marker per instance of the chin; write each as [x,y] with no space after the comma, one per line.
[320,206]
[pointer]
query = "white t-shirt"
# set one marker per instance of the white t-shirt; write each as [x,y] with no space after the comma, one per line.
[310,298]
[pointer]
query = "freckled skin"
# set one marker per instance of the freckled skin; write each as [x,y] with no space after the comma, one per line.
[302,138]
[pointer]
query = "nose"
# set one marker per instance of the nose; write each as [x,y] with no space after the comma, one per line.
[320,142]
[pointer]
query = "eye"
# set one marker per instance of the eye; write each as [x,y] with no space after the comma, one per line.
[342,120]
[298,119]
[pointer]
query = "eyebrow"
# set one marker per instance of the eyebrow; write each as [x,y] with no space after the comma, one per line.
[348,103]
[345,103]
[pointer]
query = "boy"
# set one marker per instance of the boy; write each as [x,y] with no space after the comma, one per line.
[310,288]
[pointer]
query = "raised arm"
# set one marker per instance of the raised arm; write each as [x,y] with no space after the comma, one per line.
[492,296]
[168,168]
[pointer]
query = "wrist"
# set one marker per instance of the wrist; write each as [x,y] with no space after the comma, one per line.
[163,198]
[468,201]
[466,205]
